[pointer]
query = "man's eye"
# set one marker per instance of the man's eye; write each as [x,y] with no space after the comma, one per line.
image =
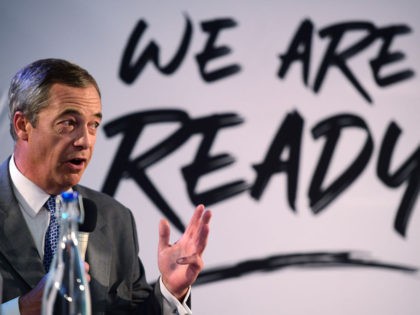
[68,122]
[67,125]
[94,125]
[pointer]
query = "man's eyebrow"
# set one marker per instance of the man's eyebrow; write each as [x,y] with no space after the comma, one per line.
[72,111]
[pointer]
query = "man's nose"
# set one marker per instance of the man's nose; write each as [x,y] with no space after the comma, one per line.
[84,138]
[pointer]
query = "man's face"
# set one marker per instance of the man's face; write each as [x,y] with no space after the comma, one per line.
[56,152]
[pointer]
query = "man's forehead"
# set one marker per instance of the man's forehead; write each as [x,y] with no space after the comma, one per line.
[75,99]
[59,89]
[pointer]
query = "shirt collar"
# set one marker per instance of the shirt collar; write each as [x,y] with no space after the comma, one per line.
[30,196]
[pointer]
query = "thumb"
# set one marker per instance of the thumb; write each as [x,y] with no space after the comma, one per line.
[164,234]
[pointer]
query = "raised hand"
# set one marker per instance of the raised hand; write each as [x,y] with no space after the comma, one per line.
[180,263]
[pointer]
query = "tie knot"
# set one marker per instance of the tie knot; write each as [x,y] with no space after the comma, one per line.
[50,204]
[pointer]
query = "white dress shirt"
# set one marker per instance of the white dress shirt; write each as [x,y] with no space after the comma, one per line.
[31,201]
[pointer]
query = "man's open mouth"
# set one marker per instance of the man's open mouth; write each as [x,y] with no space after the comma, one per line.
[77,161]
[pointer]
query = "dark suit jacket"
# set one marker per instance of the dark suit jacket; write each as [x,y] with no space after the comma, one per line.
[118,284]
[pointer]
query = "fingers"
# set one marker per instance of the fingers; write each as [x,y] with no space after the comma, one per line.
[164,234]
[200,217]
[194,259]
[196,231]
[195,220]
[207,216]
[30,302]
[202,237]
[87,267]
[203,232]
[187,260]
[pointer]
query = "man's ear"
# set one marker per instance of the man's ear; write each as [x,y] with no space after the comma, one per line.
[21,124]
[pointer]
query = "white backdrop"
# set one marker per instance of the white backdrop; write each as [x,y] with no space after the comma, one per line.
[263,257]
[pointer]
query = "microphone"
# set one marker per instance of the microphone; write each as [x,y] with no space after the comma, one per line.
[88,225]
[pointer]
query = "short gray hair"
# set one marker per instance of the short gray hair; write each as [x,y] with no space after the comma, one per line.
[30,87]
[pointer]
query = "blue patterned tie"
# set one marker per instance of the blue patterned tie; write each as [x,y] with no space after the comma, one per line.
[51,237]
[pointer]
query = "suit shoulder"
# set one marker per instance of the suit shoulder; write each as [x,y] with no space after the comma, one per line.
[104,202]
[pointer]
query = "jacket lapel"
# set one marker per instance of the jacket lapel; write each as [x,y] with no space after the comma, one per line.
[17,245]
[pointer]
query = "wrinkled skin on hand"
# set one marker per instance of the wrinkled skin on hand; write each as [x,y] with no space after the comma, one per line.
[181,262]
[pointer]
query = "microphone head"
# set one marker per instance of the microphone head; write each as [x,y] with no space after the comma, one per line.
[91,213]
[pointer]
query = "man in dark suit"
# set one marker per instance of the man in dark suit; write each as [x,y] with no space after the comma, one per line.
[55,111]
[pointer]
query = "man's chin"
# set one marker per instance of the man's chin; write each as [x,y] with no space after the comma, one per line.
[70,181]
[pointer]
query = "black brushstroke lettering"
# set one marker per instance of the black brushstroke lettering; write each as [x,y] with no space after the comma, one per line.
[123,165]
[332,58]
[384,57]
[129,72]
[299,50]
[204,163]
[408,172]
[289,136]
[303,260]
[212,52]
[331,128]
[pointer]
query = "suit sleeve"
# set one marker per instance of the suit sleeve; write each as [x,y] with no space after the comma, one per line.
[129,291]
[152,302]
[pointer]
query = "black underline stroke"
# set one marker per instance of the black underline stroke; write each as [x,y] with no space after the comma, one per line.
[306,260]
